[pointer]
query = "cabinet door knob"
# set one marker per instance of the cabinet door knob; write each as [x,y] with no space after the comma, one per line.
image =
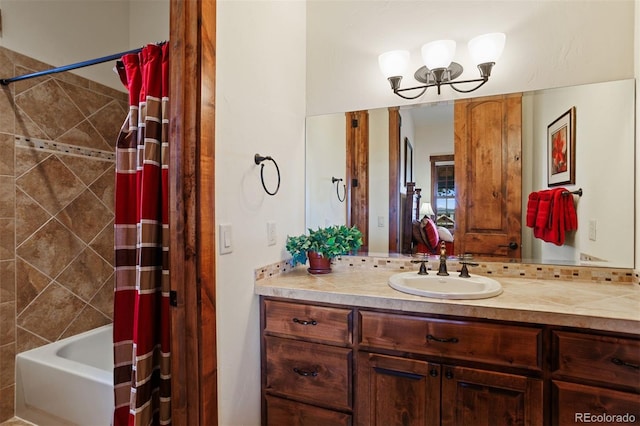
[449,374]
[433,373]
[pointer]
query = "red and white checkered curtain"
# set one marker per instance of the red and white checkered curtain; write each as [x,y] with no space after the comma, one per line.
[142,375]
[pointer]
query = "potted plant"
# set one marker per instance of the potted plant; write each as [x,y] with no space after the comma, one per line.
[322,245]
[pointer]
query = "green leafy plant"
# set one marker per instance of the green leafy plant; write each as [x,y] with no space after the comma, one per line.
[330,242]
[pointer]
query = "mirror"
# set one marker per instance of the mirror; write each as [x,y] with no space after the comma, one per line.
[604,151]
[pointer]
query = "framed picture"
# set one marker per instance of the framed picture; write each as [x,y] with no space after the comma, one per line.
[408,161]
[561,149]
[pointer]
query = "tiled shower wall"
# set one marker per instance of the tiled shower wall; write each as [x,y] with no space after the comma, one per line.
[57,140]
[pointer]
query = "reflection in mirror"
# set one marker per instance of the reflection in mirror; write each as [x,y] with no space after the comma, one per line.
[604,168]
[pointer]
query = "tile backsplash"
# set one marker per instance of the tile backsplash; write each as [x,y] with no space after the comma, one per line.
[496,269]
[57,143]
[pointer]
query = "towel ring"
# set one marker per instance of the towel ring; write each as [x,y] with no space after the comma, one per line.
[258,159]
[344,188]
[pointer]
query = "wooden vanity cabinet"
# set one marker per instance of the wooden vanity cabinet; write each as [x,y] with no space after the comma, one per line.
[307,364]
[396,388]
[594,374]
[334,365]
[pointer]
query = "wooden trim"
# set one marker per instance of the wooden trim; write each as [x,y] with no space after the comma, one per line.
[394,180]
[357,157]
[192,236]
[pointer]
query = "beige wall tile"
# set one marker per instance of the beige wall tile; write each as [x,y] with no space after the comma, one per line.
[7,149]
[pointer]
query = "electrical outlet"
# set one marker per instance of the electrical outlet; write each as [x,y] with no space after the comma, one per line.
[271,234]
[592,229]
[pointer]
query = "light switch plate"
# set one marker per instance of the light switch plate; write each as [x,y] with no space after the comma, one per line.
[592,229]
[271,234]
[225,241]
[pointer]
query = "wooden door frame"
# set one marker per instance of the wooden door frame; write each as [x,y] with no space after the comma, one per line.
[357,168]
[394,179]
[192,212]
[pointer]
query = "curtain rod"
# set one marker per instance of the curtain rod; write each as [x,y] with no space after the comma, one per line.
[115,56]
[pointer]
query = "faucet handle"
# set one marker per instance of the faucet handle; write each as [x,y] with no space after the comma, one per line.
[423,267]
[464,272]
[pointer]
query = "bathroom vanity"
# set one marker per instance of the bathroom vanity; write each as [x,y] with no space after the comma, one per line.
[345,348]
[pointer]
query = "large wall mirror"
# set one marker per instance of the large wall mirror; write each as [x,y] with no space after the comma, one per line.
[604,168]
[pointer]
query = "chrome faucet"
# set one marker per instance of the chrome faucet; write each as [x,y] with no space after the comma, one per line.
[442,270]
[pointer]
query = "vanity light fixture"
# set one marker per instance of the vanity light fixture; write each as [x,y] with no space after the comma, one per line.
[439,68]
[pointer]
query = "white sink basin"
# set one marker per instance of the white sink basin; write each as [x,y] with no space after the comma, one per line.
[445,287]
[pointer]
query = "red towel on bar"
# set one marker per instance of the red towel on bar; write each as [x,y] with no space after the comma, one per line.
[532,209]
[555,215]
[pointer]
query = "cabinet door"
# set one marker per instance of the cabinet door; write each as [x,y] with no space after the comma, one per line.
[485,398]
[573,404]
[397,391]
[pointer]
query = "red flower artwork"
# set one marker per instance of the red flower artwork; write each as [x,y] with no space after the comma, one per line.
[559,152]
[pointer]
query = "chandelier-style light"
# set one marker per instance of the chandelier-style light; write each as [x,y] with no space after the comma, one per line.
[439,68]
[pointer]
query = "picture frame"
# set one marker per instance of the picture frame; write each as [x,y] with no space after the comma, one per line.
[408,161]
[561,149]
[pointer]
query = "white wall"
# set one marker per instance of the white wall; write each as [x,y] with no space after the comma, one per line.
[379,181]
[604,139]
[63,32]
[549,44]
[325,158]
[260,108]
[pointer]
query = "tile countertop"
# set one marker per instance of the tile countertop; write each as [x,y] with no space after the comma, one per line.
[598,306]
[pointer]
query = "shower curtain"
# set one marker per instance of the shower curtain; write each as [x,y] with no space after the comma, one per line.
[142,375]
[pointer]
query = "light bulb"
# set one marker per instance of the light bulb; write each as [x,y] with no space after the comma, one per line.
[487,47]
[438,54]
[394,63]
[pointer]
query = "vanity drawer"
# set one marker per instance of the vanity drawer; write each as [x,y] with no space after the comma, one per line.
[326,324]
[509,345]
[285,412]
[604,359]
[309,372]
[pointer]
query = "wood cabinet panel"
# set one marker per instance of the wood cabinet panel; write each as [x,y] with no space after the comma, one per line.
[397,391]
[508,345]
[284,412]
[574,403]
[608,360]
[309,372]
[485,398]
[318,323]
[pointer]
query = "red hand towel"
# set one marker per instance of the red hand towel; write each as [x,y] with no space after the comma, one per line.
[543,213]
[532,209]
[570,216]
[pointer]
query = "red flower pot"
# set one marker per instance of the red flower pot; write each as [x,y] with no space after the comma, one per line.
[318,264]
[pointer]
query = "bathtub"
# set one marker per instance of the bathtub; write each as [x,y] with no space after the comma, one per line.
[67,382]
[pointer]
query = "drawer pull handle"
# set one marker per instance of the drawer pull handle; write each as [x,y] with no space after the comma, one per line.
[397,373]
[618,361]
[305,322]
[305,373]
[450,340]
